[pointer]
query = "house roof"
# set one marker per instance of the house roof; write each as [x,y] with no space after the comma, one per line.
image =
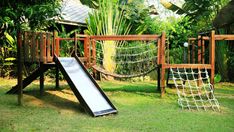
[74,13]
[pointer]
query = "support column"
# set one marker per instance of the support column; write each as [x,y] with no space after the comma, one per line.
[19,68]
[162,54]
[212,56]
[42,79]
[56,77]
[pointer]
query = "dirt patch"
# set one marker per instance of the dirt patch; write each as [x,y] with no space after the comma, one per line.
[63,101]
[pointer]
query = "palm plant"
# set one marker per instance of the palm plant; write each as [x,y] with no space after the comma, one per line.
[108,19]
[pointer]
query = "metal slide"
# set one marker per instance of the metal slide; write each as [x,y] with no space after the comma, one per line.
[85,88]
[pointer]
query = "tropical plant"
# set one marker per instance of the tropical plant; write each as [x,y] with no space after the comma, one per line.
[107,20]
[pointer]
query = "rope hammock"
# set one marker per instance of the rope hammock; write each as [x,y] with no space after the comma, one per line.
[191,94]
[102,70]
[128,58]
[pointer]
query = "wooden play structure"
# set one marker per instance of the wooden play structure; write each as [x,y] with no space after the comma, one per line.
[44,49]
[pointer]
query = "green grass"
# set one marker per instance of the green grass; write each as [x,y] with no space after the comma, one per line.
[140,108]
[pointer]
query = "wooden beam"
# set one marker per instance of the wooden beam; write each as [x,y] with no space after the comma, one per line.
[71,39]
[125,37]
[224,37]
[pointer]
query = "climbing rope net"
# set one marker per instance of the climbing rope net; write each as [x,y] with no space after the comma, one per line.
[126,59]
[194,89]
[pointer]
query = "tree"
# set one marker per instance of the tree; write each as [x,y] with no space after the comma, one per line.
[201,14]
[23,15]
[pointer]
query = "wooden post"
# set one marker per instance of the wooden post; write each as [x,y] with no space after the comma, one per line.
[212,56]
[42,79]
[19,68]
[44,48]
[56,77]
[162,54]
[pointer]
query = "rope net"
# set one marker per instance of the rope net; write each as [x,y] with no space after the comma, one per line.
[126,59]
[194,89]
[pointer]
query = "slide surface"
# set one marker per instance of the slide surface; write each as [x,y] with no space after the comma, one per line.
[85,87]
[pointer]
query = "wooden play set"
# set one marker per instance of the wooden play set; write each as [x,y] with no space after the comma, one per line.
[43,48]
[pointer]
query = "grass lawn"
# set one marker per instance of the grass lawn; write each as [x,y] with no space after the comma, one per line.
[140,108]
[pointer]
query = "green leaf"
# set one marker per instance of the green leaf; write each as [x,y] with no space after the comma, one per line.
[217,78]
[9,38]
[8,64]
[10,59]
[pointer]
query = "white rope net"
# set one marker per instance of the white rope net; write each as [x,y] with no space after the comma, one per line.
[194,89]
[130,58]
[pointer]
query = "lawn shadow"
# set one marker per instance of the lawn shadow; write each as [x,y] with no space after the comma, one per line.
[132,88]
[54,98]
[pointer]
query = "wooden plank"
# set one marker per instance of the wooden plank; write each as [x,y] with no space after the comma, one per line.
[192,66]
[57,46]
[193,51]
[94,52]
[199,50]
[189,54]
[159,50]
[30,47]
[86,52]
[37,47]
[53,44]
[126,37]
[25,47]
[75,43]
[48,47]
[192,39]
[42,47]
[205,38]
[203,51]
[212,56]
[34,47]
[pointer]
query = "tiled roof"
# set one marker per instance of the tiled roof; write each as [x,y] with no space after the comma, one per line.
[74,12]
